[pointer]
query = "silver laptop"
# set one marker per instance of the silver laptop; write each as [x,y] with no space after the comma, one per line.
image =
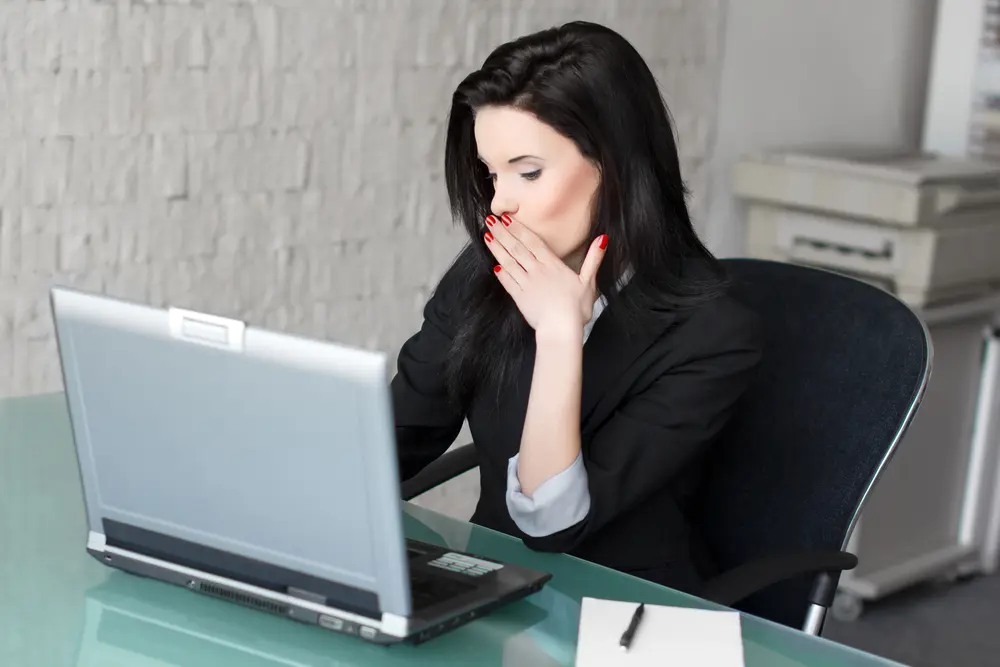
[256,467]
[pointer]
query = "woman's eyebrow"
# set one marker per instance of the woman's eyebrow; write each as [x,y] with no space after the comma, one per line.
[513,160]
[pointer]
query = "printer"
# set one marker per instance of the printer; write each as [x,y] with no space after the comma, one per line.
[922,226]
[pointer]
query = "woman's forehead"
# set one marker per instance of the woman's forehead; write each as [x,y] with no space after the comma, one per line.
[506,133]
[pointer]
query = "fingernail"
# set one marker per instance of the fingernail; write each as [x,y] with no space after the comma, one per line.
[604,242]
[497,268]
[490,221]
[506,220]
[489,237]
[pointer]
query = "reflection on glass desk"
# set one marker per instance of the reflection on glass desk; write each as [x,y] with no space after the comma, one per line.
[61,608]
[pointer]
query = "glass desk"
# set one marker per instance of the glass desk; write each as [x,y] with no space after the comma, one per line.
[60,608]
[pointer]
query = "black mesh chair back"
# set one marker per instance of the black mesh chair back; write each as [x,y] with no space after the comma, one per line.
[844,368]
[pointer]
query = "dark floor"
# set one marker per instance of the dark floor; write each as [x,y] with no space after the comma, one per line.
[931,625]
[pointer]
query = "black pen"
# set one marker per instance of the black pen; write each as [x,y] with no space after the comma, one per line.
[633,625]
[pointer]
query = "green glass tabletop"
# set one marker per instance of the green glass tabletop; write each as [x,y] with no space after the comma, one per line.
[59,607]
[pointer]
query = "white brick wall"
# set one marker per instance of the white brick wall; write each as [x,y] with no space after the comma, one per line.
[274,160]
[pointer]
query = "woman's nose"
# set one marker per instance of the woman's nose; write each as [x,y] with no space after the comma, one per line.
[502,204]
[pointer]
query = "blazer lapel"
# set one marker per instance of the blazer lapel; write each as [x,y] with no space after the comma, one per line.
[609,352]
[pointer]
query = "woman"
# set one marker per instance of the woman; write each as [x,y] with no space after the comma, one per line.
[585,331]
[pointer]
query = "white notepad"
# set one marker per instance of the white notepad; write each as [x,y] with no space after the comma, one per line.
[666,636]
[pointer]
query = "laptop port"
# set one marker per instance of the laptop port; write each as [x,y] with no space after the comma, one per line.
[331,623]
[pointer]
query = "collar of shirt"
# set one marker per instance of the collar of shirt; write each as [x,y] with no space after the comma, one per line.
[601,303]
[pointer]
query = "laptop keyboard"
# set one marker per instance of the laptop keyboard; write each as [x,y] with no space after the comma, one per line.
[428,590]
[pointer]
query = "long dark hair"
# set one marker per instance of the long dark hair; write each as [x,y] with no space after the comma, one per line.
[588,83]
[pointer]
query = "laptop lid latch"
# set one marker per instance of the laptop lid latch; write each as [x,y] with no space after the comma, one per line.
[207,329]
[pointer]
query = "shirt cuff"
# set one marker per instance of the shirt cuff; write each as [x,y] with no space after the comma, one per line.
[559,502]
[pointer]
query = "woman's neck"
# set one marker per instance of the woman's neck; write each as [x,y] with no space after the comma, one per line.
[574,260]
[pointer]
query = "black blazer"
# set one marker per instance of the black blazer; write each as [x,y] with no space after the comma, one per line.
[651,406]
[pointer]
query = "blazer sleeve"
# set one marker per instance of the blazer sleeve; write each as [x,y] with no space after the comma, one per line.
[427,422]
[557,503]
[657,432]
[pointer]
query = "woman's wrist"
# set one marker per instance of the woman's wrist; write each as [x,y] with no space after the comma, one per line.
[559,332]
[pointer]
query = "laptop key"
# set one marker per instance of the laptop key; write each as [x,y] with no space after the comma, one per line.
[465,564]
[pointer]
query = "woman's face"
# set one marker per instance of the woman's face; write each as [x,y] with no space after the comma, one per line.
[540,178]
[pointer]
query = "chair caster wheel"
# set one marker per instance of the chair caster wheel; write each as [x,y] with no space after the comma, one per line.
[847,607]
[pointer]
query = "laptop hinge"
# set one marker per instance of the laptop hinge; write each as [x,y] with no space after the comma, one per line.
[307,595]
[389,623]
[240,568]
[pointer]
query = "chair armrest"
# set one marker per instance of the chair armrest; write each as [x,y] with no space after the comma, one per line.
[450,464]
[734,585]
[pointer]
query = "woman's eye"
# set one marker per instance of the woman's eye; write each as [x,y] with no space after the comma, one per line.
[532,175]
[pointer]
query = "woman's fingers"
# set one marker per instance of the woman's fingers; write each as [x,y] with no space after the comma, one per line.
[515,247]
[504,258]
[507,281]
[592,262]
[527,238]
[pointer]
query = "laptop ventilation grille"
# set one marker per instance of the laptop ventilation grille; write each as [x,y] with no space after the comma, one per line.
[244,599]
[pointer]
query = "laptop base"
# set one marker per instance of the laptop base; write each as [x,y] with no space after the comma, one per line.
[437,618]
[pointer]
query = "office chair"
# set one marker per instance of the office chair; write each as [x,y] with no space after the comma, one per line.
[844,369]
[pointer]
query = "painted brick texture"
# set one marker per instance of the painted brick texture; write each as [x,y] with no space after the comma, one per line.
[278,161]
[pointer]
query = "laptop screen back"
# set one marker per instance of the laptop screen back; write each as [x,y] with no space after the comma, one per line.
[275,448]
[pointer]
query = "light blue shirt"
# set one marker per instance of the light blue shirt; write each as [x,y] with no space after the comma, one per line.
[561,500]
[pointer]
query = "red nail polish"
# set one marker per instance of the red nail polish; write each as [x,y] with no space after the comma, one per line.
[604,242]
[490,221]
[489,237]
[506,220]
[497,268]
